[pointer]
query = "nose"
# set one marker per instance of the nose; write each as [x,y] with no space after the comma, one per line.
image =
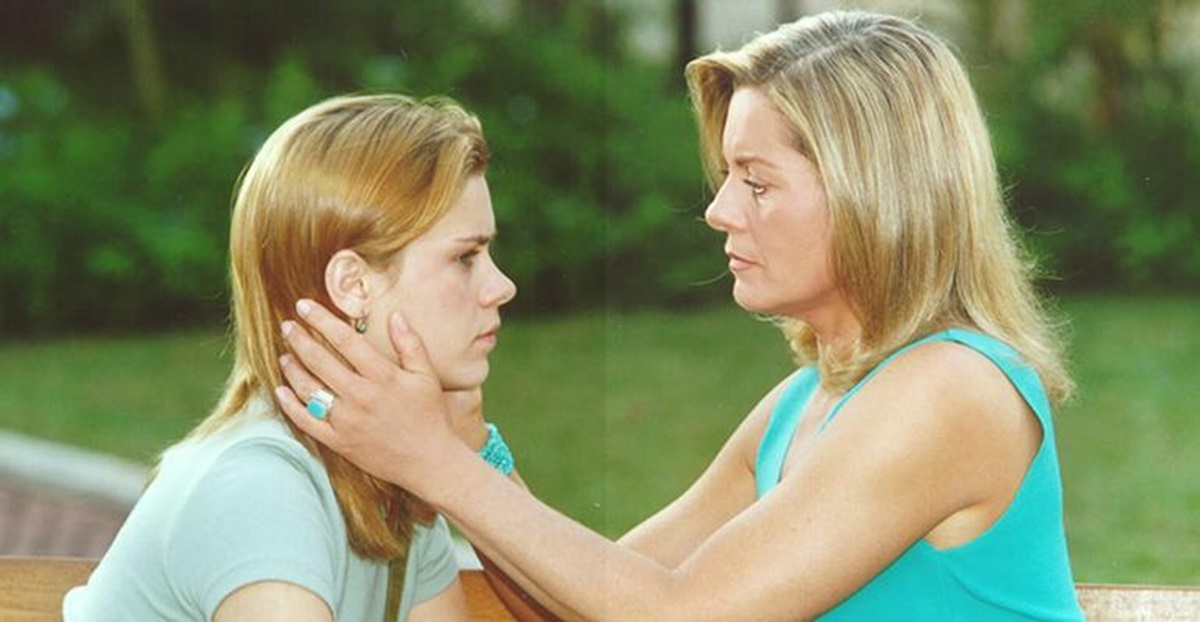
[499,289]
[722,214]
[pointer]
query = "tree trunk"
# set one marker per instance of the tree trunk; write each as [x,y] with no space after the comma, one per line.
[685,35]
[143,56]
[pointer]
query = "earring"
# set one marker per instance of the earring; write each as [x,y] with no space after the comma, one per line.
[360,324]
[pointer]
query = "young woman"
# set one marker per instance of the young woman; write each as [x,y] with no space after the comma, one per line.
[906,471]
[373,205]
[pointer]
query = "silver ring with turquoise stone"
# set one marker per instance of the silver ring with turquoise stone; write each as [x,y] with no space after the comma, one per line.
[320,402]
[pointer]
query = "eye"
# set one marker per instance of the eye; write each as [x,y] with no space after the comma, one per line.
[468,258]
[756,188]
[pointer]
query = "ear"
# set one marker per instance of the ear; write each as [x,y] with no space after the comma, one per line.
[348,279]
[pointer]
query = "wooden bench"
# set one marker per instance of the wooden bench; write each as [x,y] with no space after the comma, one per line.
[32,588]
[1138,603]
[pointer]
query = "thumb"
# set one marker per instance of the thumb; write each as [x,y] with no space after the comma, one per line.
[408,345]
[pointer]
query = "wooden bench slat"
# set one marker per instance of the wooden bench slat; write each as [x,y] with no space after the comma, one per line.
[32,588]
[1130,603]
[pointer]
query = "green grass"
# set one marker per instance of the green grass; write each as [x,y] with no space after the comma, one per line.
[612,415]
[1130,442]
[129,396]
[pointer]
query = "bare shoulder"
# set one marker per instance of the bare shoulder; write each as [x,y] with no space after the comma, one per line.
[950,404]
[945,415]
[948,379]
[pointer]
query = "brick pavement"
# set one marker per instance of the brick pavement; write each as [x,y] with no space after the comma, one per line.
[36,519]
[58,500]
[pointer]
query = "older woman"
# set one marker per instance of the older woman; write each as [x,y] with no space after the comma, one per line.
[907,470]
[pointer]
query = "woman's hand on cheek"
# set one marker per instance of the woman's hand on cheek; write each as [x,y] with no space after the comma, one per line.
[389,420]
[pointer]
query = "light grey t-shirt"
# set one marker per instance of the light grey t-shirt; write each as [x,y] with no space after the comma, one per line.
[247,504]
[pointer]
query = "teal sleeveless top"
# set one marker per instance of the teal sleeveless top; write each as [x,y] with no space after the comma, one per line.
[1018,569]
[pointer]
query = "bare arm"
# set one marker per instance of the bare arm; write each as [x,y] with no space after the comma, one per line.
[517,600]
[520,594]
[464,412]
[723,491]
[906,448]
[272,600]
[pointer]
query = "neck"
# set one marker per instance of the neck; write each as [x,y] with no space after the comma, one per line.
[836,328]
[838,342]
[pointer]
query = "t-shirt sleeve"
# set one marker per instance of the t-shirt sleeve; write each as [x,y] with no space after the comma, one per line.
[436,566]
[258,514]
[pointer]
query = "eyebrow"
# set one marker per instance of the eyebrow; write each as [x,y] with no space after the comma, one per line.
[480,239]
[744,161]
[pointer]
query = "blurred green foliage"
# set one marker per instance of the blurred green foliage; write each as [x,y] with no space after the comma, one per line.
[1094,107]
[114,198]
[124,123]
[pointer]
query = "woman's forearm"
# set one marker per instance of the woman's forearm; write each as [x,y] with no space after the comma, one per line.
[414,447]
[592,577]
[519,602]
[530,604]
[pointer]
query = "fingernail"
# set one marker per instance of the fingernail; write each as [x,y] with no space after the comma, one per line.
[288,326]
[281,393]
[303,306]
[285,360]
[399,323]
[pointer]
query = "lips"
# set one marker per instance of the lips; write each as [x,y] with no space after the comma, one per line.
[489,335]
[737,262]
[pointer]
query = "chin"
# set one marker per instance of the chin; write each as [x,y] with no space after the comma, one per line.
[748,302]
[465,377]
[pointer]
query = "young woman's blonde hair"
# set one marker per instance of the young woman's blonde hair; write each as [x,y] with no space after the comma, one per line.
[366,173]
[921,238]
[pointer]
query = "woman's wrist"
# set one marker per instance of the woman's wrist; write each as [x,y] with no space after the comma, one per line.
[496,452]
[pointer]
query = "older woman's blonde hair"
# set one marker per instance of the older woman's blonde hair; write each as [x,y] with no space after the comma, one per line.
[921,239]
[367,173]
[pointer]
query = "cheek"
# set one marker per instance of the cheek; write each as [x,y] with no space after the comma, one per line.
[446,317]
[453,327]
[450,299]
[798,245]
